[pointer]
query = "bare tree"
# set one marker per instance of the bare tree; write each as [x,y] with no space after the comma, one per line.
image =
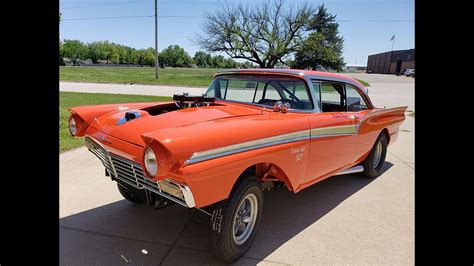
[265,34]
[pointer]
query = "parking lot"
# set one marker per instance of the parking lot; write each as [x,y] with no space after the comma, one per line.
[344,219]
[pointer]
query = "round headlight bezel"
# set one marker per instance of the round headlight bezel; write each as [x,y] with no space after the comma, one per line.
[150,161]
[72,126]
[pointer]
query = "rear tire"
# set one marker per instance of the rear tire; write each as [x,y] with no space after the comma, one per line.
[130,194]
[376,158]
[235,221]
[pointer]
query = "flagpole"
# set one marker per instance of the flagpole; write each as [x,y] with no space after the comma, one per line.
[391,52]
[393,41]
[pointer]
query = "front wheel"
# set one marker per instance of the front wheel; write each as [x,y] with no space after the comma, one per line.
[235,221]
[376,158]
[131,194]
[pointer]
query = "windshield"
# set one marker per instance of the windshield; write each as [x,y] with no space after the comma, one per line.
[262,89]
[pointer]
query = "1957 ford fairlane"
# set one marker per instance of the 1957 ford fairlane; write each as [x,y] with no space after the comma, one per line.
[253,129]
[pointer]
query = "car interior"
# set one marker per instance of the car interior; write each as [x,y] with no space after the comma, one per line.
[264,90]
[284,91]
[332,97]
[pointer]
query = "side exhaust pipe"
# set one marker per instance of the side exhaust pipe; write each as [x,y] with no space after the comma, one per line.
[355,169]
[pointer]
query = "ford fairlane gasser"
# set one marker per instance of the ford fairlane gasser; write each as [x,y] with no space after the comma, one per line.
[253,129]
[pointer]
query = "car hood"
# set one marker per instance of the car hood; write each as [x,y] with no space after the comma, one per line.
[114,124]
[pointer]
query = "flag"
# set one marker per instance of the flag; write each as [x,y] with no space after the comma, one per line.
[393,37]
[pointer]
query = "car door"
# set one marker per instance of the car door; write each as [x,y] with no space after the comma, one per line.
[333,132]
[358,108]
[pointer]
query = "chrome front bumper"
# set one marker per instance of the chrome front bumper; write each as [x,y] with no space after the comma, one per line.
[131,173]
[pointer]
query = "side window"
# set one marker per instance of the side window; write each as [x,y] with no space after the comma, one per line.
[332,97]
[355,102]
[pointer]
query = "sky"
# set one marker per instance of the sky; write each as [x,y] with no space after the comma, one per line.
[366,25]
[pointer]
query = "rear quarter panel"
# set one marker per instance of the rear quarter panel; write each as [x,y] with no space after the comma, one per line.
[373,122]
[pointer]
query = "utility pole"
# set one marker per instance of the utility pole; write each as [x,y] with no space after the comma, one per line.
[157,65]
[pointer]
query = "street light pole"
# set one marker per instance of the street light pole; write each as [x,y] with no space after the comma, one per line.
[157,65]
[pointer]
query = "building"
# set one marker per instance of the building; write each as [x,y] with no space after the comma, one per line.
[393,62]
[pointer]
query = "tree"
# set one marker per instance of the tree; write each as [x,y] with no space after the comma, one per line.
[230,63]
[74,50]
[147,57]
[265,34]
[248,64]
[323,47]
[218,61]
[175,56]
[201,59]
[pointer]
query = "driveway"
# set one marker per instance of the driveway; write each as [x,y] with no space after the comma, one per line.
[344,219]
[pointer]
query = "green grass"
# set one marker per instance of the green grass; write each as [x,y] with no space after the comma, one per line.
[142,75]
[365,83]
[72,99]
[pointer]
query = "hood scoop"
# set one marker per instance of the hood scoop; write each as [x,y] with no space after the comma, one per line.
[129,116]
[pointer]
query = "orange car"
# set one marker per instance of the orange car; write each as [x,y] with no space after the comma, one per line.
[253,129]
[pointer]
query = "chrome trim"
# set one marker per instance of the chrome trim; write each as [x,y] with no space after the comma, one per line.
[246,146]
[131,173]
[355,169]
[271,141]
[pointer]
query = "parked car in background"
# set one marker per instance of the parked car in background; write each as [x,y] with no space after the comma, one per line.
[254,129]
[409,72]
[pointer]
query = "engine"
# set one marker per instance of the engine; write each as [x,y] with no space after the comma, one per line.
[186,101]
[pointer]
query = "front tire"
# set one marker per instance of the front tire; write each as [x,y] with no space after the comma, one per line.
[235,221]
[376,158]
[130,194]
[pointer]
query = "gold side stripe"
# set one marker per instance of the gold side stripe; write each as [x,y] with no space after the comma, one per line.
[334,131]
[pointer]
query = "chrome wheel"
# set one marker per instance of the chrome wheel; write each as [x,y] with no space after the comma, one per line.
[377,154]
[245,218]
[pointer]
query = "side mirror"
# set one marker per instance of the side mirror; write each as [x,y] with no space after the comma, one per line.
[366,90]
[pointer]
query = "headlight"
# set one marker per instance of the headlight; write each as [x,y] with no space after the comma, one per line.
[150,162]
[72,127]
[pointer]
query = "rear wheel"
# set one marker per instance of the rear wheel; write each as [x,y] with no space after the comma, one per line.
[235,221]
[374,162]
[131,194]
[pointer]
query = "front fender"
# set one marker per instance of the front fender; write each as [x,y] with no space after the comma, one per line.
[85,115]
[212,181]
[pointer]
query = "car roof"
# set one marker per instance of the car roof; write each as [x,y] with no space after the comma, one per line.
[320,75]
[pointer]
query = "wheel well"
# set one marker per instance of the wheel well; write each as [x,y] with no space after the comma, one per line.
[265,172]
[385,131]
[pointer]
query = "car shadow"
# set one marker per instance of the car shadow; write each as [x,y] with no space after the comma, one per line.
[182,234]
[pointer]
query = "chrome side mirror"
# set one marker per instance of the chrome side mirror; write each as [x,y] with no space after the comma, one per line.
[366,90]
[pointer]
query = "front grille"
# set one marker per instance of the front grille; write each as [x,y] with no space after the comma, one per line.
[132,173]
[126,171]
[100,152]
